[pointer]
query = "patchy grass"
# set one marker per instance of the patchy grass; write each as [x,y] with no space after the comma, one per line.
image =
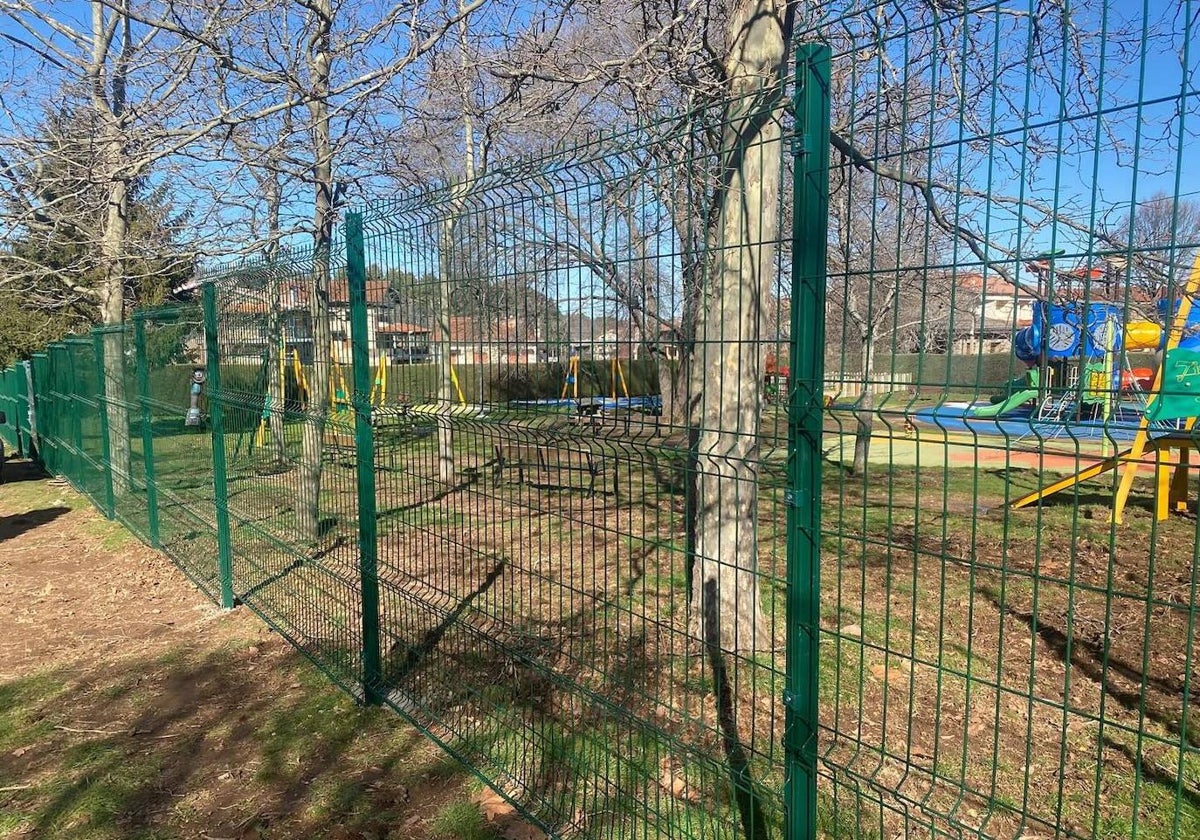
[147,714]
[461,821]
[967,650]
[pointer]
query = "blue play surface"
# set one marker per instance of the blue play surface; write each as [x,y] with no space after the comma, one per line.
[1021,423]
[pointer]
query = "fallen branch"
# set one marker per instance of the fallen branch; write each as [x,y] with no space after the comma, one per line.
[92,731]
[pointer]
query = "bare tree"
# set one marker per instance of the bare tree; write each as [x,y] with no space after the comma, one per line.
[333,70]
[134,87]
[1160,237]
[877,291]
[727,381]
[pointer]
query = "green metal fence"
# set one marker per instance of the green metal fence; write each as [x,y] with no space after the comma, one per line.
[549,462]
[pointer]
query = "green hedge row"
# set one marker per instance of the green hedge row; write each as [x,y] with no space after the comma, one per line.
[983,372]
[500,384]
[419,383]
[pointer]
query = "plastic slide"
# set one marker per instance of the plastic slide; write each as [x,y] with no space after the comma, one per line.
[1004,406]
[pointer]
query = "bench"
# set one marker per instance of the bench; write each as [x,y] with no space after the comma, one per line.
[549,463]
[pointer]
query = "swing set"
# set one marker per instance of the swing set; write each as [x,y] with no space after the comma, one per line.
[594,405]
[341,410]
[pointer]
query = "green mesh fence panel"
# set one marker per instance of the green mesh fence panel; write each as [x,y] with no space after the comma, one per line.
[1009,190]
[89,474]
[285,372]
[11,384]
[821,485]
[170,349]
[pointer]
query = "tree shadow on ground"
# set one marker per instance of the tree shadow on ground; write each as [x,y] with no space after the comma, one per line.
[1158,697]
[556,711]
[16,471]
[16,524]
[225,744]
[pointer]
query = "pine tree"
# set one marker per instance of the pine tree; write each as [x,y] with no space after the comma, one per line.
[51,274]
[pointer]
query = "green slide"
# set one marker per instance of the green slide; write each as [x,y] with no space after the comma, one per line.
[1015,401]
[1002,405]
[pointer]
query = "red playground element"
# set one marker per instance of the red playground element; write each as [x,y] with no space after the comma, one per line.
[1141,378]
[773,368]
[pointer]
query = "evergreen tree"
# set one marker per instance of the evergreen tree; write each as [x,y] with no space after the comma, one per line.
[51,273]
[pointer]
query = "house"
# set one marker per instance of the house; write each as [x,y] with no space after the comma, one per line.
[603,338]
[248,316]
[404,344]
[990,311]
[491,341]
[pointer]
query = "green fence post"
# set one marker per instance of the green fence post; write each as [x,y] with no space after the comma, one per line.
[54,384]
[39,396]
[143,376]
[73,414]
[216,421]
[364,447]
[810,225]
[110,501]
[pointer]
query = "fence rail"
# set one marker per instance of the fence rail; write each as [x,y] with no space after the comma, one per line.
[582,539]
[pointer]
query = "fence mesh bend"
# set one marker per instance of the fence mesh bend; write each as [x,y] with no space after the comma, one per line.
[839,483]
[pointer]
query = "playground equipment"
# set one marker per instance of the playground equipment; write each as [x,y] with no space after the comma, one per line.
[571,380]
[379,387]
[461,408]
[775,380]
[197,385]
[341,410]
[1166,423]
[617,396]
[304,393]
[302,390]
[1081,382]
[1020,391]
[339,430]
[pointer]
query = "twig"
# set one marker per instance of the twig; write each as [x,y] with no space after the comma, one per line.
[11,788]
[92,731]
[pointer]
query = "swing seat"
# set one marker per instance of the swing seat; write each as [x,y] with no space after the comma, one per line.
[461,410]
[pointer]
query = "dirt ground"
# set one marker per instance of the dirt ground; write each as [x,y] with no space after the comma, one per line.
[130,707]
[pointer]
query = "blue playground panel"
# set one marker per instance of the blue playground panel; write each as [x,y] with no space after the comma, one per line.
[953,417]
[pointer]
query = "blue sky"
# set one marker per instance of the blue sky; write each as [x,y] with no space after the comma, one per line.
[1082,173]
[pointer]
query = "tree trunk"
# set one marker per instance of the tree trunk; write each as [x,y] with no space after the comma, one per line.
[276,349]
[864,414]
[113,237]
[445,418]
[676,378]
[112,313]
[672,386]
[728,371]
[276,357]
[308,507]
[445,431]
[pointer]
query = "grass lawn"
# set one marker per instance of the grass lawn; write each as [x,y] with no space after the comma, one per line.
[984,672]
[132,708]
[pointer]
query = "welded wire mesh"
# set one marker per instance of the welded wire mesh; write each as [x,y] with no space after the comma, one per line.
[535,487]
[282,335]
[537,458]
[1012,226]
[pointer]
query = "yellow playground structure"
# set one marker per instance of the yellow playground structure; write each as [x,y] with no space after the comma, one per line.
[340,427]
[1166,425]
